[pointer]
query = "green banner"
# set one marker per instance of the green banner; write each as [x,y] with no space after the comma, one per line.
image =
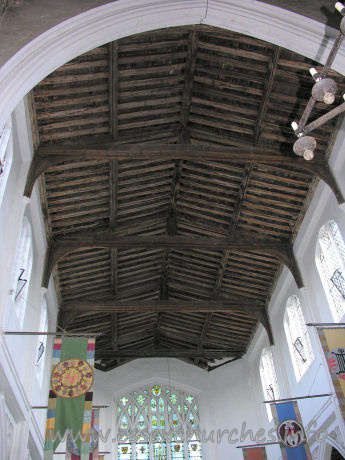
[70,411]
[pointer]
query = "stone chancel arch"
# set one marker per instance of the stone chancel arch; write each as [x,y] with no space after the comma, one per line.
[122,18]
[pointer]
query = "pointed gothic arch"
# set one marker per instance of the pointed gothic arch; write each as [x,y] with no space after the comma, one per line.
[165,421]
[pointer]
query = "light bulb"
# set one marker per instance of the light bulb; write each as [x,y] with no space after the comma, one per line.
[339,6]
[294,124]
[314,73]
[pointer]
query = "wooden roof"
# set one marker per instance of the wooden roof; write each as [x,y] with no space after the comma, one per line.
[170,190]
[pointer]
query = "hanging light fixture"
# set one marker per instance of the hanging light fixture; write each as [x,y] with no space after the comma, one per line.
[324,90]
[304,147]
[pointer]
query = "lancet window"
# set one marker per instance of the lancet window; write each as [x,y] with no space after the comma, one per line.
[158,423]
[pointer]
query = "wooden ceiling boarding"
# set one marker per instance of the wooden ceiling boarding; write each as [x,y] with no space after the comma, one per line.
[171,193]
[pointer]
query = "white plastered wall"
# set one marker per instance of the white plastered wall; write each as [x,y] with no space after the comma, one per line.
[18,383]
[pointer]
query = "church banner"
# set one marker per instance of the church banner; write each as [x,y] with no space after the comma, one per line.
[70,401]
[290,431]
[333,344]
[254,453]
[72,450]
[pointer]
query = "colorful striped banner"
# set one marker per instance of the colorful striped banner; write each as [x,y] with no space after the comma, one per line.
[93,438]
[333,344]
[254,453]
[290,431]
[95,425]
[70,402]
[51,412]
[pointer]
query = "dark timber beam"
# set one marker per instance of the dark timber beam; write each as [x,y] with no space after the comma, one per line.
[267,93]
[61,247]
[113,89]
[247,307]
[153,306]
[47,157]
[114,331]
[108,367]
[167,354]
[262,316]
[188,82]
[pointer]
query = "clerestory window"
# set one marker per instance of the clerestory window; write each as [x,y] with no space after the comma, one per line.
[269,379]
[6,153]
[298,337]
[23,270]
[42,343]
[331,266]
[158,423]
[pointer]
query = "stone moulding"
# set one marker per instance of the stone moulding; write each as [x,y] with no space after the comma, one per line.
[115,20]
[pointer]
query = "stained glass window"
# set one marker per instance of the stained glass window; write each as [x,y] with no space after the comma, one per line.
[124,422]
[142,451]
[154,422]
[124,451]
[159,451]
[173,398]
[141,422]
[297,337]
[124,400]
[331,264]
[177,449]
[153,405]
[157,412]
[156,390]
[141,399]
[194,449]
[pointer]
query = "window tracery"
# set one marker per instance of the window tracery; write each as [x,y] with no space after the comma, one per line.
[158,422]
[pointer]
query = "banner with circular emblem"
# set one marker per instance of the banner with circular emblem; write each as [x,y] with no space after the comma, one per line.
[70,398]
[290,431]
[71,378]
